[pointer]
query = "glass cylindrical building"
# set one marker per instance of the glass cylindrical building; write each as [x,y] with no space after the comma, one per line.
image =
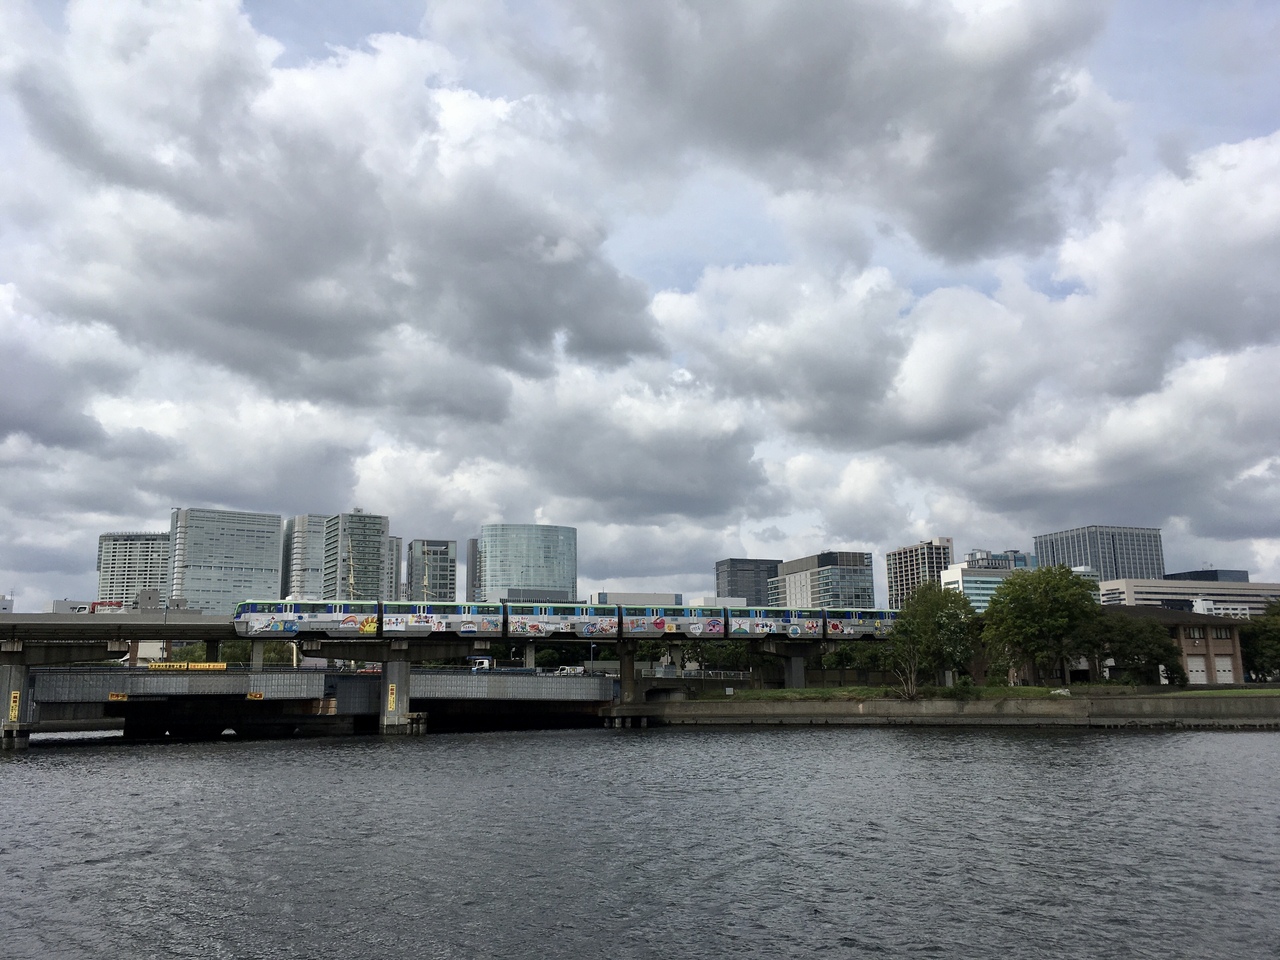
[527,562]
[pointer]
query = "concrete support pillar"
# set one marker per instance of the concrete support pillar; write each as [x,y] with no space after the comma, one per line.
[393,716]
[675,649]
[794,673]
[212,650]
[257,654]
[627,669]
[530,660]
[15,711]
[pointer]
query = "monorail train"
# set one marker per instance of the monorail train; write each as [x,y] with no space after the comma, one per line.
[565,621]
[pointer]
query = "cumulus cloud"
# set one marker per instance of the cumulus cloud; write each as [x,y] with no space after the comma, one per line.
[700,279]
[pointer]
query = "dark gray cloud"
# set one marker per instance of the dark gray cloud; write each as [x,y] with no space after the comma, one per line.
[980,136]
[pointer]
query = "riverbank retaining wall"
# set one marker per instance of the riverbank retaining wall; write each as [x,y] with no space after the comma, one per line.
[1234,712]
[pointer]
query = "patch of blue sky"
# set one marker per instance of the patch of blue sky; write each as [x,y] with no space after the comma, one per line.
[1191,74]
[310,29]
[716,219]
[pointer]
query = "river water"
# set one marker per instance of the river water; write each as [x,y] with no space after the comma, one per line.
[892,842]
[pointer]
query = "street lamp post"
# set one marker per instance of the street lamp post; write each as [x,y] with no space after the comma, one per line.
[592,653]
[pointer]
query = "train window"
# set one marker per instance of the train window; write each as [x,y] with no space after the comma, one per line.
[490,608]
[674,612]
[776,614]
[523,611]
[602,611]
[635,612]
[314,608]
[739,613]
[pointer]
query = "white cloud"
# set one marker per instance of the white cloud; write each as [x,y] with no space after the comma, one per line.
[700,280]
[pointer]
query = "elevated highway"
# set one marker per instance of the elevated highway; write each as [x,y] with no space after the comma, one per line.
[202,703]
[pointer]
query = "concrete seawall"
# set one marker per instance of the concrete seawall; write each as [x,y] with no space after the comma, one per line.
[1237,712]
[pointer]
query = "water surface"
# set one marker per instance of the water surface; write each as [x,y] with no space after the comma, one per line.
[656,843]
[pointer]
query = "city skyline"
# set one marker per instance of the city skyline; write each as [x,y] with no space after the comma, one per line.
[701,281]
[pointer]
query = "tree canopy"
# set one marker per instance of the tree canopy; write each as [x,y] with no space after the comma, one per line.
[932,632]
[1260,644]
[1042,617]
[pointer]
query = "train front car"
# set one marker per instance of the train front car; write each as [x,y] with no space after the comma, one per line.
[672,622]
[788,622]
[526,621]
[476,620]
[254,617]
[856,624]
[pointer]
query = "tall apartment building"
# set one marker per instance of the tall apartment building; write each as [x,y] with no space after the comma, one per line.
[130,562]
[525,561]
[1116,553]
[908,567]
[393,569]
[737,577]
[431,570]
[356,550]
[302,573]
[833,578]
[219,557]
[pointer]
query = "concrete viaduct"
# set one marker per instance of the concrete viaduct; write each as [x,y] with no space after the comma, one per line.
[45,640]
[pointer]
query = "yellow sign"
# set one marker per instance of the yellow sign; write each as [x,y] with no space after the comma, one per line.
[15,699]
[167,665]
[194,665]
[253,695]
[115,697]
[391,698]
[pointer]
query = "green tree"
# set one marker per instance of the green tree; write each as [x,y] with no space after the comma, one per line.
[1260,644]
[930,633]
[1042,617]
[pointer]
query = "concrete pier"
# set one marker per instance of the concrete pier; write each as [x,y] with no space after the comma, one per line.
[15,726]
[393,715]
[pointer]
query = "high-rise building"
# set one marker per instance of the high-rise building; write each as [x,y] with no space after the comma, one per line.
[981,572]
[130,562]
[219,557]
[432,570]
[393,569]
[1117,553]
[302,575]
[833,578]
[473,569]
[356,548]
[738,577]
[526,561]
[908,567]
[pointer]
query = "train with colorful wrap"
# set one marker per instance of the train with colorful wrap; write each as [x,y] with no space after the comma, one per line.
[558,621]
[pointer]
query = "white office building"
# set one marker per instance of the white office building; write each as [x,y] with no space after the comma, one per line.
[220,557]
[1227,598]
[132,562]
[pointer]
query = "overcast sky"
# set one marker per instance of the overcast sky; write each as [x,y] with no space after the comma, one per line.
[700,278]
